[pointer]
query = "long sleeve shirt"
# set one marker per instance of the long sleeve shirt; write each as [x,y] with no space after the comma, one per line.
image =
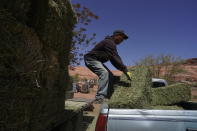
[104,51]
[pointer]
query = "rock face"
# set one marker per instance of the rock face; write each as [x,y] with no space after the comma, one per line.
[190,66]
[191,61]
[35,41]
[188,76]
[84,72]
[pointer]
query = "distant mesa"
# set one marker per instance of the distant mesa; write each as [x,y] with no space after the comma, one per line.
[190,65]
[191,61]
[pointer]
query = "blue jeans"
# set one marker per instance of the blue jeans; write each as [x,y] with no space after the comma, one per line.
[105,87]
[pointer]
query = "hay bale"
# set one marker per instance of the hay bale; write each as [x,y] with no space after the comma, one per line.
[56,34]
[33,76]
[18,8]
[137,93]
[171,94]
[21,53]
[25,102]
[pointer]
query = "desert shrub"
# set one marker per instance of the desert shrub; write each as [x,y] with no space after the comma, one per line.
[163,66]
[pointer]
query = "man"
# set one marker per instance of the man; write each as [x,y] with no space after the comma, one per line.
[106,51]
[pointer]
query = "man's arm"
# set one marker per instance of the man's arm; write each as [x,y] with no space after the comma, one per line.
[115,59]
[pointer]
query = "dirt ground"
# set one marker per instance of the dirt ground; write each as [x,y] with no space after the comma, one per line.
[90,95]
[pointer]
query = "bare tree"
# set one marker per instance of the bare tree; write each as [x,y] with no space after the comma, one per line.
[81,40]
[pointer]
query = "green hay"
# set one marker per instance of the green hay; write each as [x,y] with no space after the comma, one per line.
[137,95]
[33,76]
[171,94]
[18,8]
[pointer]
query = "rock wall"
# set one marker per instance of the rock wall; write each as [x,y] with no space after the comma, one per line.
[35,39]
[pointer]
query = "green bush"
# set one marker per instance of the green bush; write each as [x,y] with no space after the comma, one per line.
[163,66]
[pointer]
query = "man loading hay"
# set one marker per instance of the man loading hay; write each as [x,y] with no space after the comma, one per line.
[106,51]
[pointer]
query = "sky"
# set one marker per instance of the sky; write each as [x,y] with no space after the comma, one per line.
[154,27]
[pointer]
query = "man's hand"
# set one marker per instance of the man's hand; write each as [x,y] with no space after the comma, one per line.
[129,75]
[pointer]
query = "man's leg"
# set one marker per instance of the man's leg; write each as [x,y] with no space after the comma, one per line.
[111,84]
[98,68]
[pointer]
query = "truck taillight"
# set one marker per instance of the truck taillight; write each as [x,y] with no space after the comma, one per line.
[101,123]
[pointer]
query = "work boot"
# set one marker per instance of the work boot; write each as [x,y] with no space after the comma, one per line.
[98,101]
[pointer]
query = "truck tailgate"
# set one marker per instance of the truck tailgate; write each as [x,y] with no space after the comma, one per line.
[151,120]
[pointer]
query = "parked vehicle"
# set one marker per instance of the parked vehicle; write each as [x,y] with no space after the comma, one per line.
[111,119]
[158,83]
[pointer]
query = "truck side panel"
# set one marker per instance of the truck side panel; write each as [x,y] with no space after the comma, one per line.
[151,120]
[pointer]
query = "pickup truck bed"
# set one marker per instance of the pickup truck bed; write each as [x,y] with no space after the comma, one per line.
[148,120]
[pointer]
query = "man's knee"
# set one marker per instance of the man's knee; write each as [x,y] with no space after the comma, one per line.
[105,73]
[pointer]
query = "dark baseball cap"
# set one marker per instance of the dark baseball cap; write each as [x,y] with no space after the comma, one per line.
[120,32]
